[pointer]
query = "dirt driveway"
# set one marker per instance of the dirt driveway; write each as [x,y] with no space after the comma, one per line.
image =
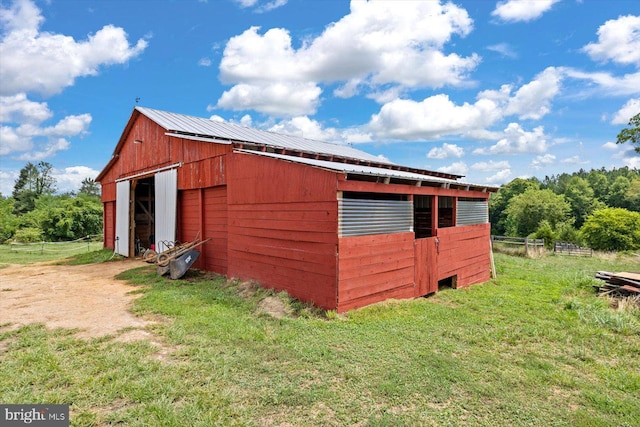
[84,297]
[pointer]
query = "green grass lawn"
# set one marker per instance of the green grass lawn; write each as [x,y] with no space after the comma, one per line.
[38,252]
[534,347]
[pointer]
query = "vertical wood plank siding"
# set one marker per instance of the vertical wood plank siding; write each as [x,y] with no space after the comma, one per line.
[109,225]
[465,252]
[215,227]
[189,218]
[283,222]
[374,268]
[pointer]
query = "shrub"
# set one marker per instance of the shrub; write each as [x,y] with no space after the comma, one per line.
[612,229]
[28,235]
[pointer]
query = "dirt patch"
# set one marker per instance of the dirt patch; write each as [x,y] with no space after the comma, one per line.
[275,307]
[83,297]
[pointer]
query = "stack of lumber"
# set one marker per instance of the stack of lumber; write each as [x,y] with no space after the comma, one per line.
[623,284]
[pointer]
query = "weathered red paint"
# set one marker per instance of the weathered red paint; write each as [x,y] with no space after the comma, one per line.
[276,222]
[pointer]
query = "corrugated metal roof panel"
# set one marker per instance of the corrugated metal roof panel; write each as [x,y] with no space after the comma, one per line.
[366,170]
[202,127]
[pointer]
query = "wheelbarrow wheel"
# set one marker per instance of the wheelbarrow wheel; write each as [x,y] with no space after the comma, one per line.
[150,256]
[163,260]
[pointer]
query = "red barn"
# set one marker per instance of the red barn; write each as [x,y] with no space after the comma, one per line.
[327,223]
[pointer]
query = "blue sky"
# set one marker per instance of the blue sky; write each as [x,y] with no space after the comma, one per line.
[493,90]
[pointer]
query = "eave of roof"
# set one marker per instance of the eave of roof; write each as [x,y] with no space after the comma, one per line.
[355,169]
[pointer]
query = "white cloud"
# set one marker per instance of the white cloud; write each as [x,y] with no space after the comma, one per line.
[433,117]
[610,146]
[31,60]
[307,128]
[575,160]
[23,128]
[390,44]
[628,84]
[532,100]
[205,62]
[18,109]
[632,162]
[70,179]
[490,166]
[628,110]
[7,181]
[539,161]
[522,10]
[48,149]
[277,99]
[500,177]
[517,140]
[503,49]
[457,168]
[447,150]
[618,41]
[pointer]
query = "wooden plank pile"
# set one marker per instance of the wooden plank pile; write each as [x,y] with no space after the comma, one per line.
[619,284]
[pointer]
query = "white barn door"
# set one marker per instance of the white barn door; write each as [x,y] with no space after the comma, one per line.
[166,198]
[123,190]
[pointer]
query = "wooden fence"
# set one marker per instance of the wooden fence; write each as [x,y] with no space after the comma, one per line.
[517,245]
[566,248]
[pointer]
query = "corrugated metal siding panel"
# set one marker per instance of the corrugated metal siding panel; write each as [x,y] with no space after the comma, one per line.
[471,212]
[166,187]
[360,217]
[222,130]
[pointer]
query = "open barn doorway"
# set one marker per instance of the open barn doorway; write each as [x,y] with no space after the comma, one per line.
[146,213]
[143,215]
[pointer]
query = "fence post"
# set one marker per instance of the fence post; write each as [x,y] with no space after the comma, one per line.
[526,246]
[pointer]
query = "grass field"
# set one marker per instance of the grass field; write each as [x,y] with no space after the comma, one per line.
[534,347]
[40,252]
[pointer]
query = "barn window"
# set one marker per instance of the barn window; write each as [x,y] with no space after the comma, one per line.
[446,217]
[423,216]
[472,211]
[374,213]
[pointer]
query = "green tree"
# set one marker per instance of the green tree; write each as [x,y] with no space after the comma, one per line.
[90,187]
[632,133]
[8,221]
[618,192]
[525,211]
[66,218]
[632,196]
[612,229]
[581,198]
[33,181]
[499,202]
[545,231]
[599,184]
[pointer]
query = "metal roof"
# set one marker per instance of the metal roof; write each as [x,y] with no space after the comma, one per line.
[205,128]
[370,170]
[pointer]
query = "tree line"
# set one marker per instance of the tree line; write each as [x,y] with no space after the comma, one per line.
[599,208]
[34,212]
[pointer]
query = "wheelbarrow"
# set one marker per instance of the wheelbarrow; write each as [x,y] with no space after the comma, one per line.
[165,259]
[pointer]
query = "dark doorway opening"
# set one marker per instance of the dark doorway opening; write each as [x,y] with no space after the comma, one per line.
[143,215]
[448,283]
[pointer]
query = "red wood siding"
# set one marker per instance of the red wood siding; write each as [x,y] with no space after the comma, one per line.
[372,187]
[202,174]
[426,266]
[465,252]
[109,221]
[215,227]
[374,268]
[189,213]
[283,227]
